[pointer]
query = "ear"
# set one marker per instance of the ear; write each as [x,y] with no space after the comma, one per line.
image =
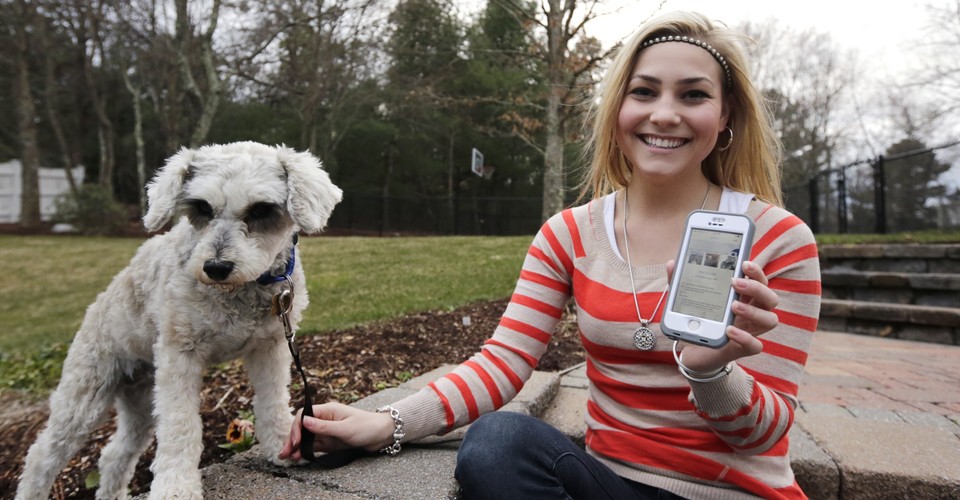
[164,190]
[310,194]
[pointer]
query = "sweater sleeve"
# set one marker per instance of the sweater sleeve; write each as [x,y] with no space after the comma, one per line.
[752,409]
[491,378]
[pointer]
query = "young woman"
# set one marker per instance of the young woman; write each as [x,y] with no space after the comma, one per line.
[678,127]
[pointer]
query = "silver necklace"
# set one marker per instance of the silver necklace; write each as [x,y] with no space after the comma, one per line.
[643,337]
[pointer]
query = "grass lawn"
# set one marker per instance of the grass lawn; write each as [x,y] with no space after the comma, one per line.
[46,283]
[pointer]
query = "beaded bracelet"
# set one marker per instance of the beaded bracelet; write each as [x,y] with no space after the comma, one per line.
[398,433]
[696,376]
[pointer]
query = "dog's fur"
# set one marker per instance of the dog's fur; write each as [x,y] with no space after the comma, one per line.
[189,298]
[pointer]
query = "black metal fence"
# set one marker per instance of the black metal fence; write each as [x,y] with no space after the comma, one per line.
[909,191]
[463,215]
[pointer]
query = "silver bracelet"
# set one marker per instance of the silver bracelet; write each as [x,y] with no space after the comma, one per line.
[398,433]
[696,376]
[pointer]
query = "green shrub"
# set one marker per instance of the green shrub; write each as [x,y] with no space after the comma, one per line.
[93,211]
[35,372]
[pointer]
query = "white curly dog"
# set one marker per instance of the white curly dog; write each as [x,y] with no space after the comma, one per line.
[196,295]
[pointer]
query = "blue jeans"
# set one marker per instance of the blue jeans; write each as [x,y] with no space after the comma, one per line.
[509,455]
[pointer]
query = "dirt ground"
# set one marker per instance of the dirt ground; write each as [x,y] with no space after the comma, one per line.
[345,365]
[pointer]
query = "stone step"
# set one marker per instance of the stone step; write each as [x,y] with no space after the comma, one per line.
[905,258]
[901,321]
[929,289]
[835,451]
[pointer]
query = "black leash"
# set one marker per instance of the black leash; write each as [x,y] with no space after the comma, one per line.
[282,303]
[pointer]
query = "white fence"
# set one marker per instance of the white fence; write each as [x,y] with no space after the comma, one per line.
[53,182]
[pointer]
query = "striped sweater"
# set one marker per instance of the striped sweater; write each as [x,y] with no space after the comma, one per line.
[721,439]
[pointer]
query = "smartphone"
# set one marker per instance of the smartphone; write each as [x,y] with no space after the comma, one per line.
[714,246]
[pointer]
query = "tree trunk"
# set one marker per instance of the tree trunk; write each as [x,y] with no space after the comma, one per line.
[553,169]
[50,101]
[208,102]
[138,140]
[26,119]
[105,133]
[553,172]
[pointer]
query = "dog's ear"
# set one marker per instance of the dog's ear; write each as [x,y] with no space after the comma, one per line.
[311,195]
[164,190]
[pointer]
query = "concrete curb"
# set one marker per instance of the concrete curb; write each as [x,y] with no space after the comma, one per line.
[887,446]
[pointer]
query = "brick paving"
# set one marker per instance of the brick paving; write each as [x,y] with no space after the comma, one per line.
[855,371]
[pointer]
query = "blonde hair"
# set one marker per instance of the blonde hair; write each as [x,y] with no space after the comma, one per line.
[752,162]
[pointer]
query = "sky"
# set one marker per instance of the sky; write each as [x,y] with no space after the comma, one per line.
[881,32]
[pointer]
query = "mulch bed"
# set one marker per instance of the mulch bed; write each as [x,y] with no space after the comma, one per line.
[344,365]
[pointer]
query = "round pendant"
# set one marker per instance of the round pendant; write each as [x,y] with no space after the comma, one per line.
[644,338]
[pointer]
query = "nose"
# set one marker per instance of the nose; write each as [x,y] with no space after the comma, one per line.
[218,270]
[664,113]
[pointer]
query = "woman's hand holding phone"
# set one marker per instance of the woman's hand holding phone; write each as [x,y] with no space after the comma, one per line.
[754,316]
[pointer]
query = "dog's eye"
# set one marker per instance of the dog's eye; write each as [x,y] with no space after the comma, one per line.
[201,208]
[259,211]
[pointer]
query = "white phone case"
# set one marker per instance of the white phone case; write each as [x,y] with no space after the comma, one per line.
[714,246]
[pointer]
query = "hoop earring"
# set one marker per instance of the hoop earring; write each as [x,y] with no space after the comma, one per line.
[730,142]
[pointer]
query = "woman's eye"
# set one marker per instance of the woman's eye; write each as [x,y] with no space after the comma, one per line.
[697,95]
[642,92]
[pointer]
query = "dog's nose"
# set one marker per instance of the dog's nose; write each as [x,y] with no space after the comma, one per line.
[218,269]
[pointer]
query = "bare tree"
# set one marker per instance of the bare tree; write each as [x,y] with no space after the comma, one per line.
[197,50]
[26,116]
[806,77]
[940,48]
[564,22]
[313,54]
[88,22]
[68,157]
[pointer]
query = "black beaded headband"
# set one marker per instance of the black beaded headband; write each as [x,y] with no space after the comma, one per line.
[693,41]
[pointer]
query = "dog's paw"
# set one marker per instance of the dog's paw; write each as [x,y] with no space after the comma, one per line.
[187,490]
[284,463]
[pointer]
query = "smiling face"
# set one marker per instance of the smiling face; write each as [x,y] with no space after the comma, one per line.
[672,111]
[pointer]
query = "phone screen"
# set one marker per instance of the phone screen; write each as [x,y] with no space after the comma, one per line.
[704,286]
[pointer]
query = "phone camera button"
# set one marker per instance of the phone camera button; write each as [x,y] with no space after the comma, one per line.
[693,324]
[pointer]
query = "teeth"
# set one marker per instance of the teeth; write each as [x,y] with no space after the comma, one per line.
[663,143]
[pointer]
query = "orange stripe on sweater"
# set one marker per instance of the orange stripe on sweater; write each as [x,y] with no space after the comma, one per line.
[809,287]
[504,368]
[447,410]
[778,229]
[558,250]
[492,390]
[641,451]
[615,356]
[530,360]
[797,320]
[539,254]
[790,258]
[546,281]
[609,304]
[574,233]
[774,383]
[702,439]
[472,412]
[525,329]
[754,398]
[771,429]
[640,397]
[617,446]
[537,305]
[782,351]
